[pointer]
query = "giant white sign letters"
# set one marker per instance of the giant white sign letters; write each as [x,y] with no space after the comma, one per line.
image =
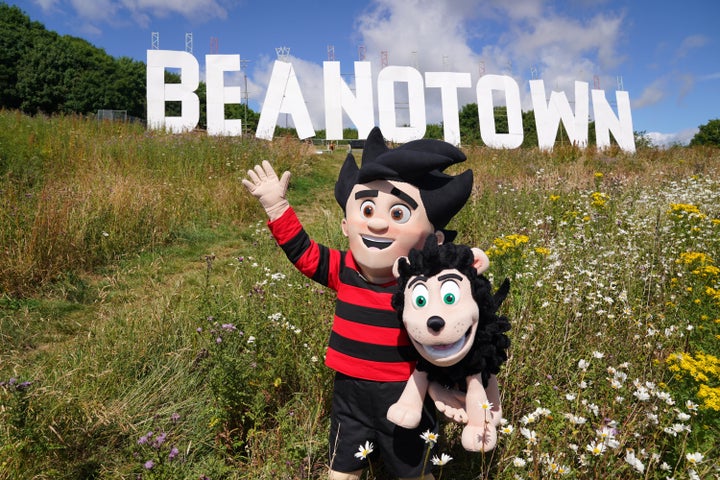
[284,96]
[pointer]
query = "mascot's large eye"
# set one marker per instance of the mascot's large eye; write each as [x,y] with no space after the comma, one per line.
[400,213]
[367,208]
[419,295]
[450,292]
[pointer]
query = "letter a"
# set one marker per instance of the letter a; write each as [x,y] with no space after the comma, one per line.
[284,96]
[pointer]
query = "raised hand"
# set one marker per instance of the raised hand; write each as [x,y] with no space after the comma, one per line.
[264,184]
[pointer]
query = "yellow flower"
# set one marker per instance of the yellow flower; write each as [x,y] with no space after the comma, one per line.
[504,245]
[700,367]
[712,293]
[599,199]
[678,211]
[710,397]
[693,258]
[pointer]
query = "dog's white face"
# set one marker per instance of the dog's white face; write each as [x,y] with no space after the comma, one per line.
[441,316]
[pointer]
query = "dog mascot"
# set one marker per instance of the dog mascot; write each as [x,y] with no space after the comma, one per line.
[450,314]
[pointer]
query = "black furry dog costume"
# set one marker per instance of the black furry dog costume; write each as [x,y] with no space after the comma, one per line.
[489,350]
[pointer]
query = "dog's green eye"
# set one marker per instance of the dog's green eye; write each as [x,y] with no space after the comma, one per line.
[419,296]
[450,292]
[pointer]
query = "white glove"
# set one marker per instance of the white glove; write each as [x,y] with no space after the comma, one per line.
[264,184]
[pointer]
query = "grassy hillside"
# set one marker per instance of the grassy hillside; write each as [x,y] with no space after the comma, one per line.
[141,292]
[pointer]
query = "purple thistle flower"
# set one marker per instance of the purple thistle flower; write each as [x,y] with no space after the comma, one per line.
[229,327]
[173,453]
[144,439]
[175,417]
[159,440]
[149,465]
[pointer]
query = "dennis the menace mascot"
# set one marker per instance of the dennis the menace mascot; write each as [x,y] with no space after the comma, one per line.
[392,202]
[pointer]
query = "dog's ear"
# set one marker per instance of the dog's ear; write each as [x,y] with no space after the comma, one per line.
[396,266]
[481,261]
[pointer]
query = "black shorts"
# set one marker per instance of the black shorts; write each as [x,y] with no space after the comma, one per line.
[359,409]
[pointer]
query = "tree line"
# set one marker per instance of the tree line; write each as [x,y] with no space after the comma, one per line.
[42,72]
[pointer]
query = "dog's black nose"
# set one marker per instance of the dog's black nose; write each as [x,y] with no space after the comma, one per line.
[435,323]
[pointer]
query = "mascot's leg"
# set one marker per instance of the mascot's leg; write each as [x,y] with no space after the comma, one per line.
[493,395]
[333,475]
[480,433]
[407,411]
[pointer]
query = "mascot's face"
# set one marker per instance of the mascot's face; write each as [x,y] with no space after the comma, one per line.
[383,221]
[441,316]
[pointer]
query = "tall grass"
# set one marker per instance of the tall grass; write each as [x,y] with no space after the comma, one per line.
[150,327]
[77,194]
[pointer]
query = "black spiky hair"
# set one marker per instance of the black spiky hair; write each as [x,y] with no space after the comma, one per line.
[419,163]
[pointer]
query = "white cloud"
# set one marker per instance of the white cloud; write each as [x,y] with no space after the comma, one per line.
[653,93]
[448,36]
[434,30]
[141,10]
[709,76]
[95,10]
[46,5]
[682,137]
[564,42]
[193,9]
[690,43]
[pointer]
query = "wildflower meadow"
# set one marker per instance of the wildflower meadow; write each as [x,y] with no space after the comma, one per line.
[150,327]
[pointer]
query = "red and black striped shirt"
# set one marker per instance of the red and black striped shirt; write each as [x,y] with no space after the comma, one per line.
[367,341]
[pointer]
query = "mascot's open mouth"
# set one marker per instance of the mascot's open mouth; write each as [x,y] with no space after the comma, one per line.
[447,350]
[376,242]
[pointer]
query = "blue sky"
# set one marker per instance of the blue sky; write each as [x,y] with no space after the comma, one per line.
[664,53]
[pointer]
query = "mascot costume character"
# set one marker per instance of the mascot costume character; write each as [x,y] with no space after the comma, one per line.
[450,314]
[392,202]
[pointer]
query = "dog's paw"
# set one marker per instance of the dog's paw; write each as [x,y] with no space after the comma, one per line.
[458,415]
[403,415]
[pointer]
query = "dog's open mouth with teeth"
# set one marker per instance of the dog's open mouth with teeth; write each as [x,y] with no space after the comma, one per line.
[376,242]
[440,351]
[443,349]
